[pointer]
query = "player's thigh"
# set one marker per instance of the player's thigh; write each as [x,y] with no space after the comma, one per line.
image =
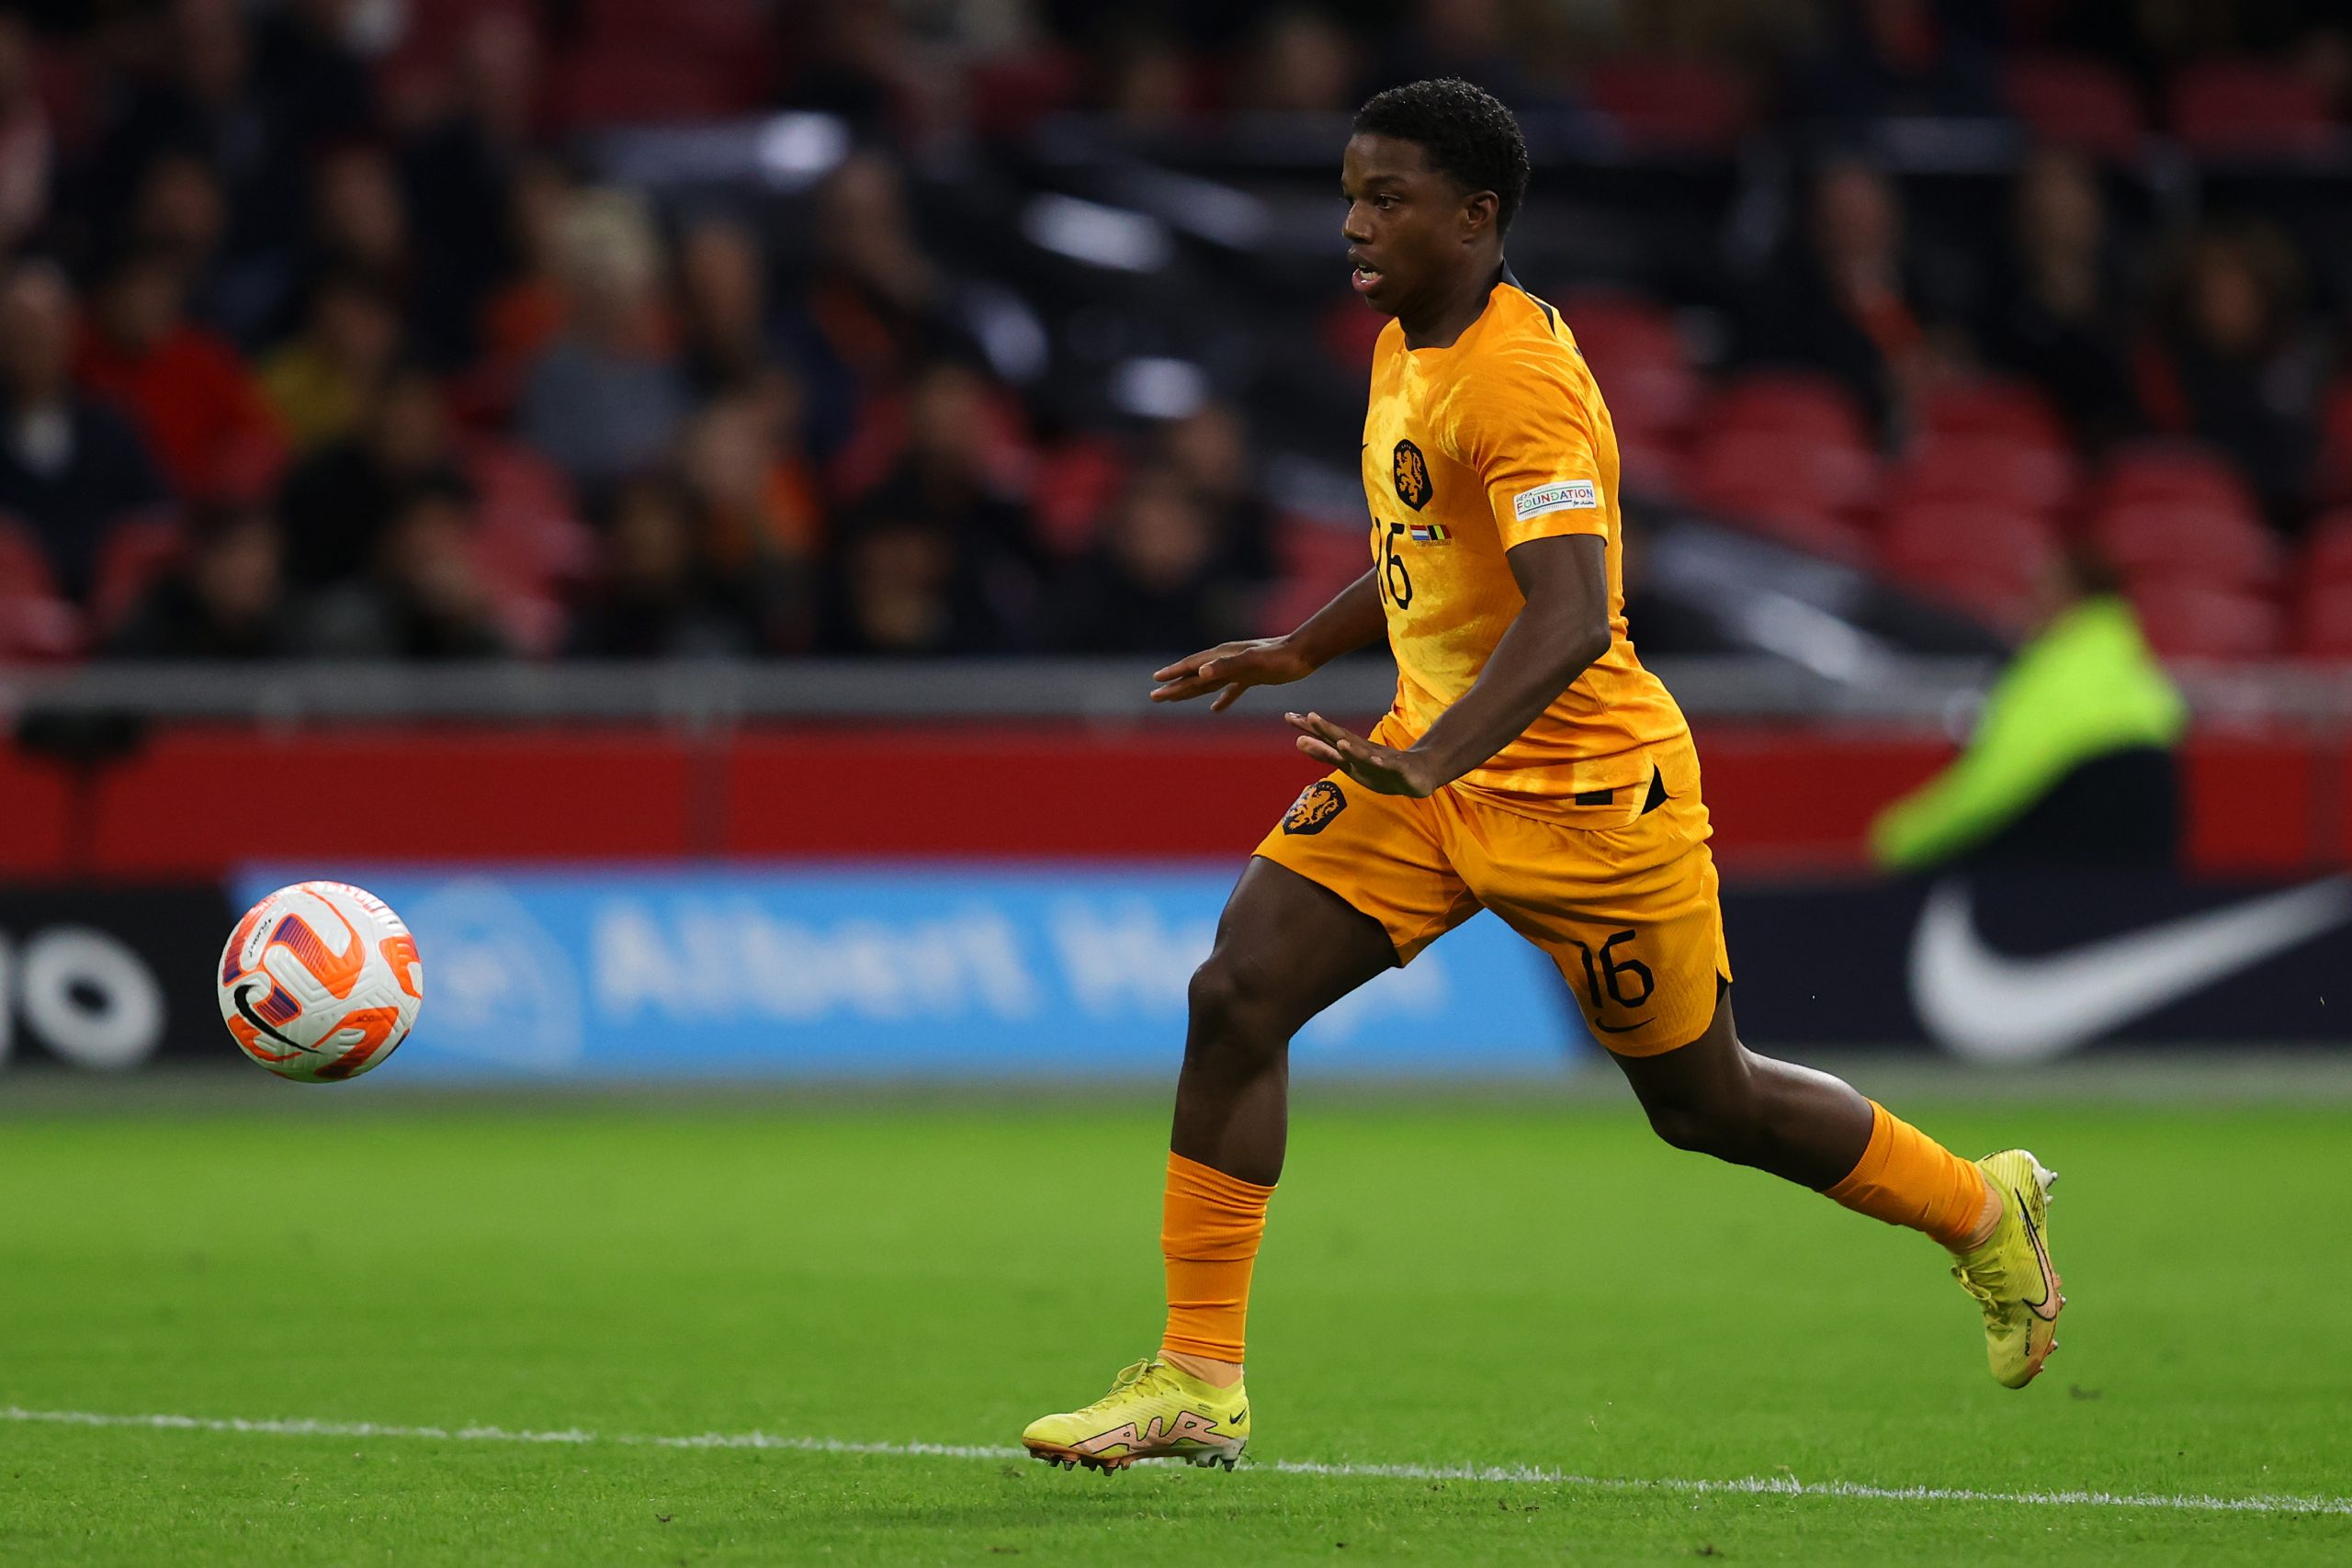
[1286,948]
[1382,855]
[1632,918]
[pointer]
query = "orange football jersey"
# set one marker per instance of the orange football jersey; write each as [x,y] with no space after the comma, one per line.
[1468,451]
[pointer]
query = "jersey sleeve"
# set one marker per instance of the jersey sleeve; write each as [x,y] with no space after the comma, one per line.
[1520,424]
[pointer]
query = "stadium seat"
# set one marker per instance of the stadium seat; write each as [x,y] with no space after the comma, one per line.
[1671,103]
[1988,470]
[1805,403]
[2327,550]
[1805,528]
[2193,620]
[1075,484]
[2174,539]
[527,534]
[135,552]
[2012,410]
[2335,479]
[1319,556]
[2324,621]
[2247,107]
[598,89]
[1746,469]
[1632,345]
[2082,104]
[1985,560]
[35,624]
[2177,473]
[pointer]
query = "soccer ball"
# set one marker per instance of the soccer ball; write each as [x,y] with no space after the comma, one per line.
[320,982]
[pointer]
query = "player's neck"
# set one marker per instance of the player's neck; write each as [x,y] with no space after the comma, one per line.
[1446,318]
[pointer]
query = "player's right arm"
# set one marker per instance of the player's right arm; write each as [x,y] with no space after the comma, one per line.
[1352,620]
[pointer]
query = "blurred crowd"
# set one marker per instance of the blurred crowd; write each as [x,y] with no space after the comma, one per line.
[316,338]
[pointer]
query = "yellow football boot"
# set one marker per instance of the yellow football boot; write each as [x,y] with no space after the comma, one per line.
[1154,1411]
[2010,1275]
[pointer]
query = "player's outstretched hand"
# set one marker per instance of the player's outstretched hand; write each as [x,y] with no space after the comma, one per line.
[1377,767]
[1231,669]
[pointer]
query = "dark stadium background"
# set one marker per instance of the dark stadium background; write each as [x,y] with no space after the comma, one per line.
[599,434]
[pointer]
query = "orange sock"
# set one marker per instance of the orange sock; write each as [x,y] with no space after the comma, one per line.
[1209,1229]
[1905,1177]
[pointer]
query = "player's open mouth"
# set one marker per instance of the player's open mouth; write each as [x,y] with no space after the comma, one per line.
[1365,279]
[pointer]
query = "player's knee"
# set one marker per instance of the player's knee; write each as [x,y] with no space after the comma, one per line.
[1723,1126]
[1230,1008]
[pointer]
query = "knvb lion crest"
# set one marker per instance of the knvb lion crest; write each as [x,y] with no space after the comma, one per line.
[1315,805]
[1412,473]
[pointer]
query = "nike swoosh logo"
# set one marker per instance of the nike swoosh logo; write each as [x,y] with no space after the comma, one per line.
[1619,1028]
[245,1011]
[2040,1256]
[1987,1006]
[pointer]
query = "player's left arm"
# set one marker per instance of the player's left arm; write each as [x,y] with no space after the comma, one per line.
[1563,628]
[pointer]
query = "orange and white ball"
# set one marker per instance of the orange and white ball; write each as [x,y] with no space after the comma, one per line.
[320,982]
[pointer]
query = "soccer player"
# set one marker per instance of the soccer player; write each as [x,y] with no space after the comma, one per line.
[1530,766]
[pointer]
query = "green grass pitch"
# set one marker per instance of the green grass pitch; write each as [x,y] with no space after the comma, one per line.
[1489,1284]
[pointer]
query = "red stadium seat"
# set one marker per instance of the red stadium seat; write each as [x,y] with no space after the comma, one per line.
[2191,620]
[1986,560]
[1671,103]
[2241,105]
[1075,484]
[1802,404]
[1748,469]
[2327,550]
[135,552]
[35,624]
[2336,445]
[1788,521]
[2324,622]
[1986,471]
[2156,540]
[637,90]
[527,535]
[2014,411]
[1639,357]
[2175,473]
[2075,102]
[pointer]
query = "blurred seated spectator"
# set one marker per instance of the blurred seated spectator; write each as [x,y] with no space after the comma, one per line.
[320,381]
[656,595]
[2060,310]
[2072,762]
[336,501]
[28,145]
[69,467]
[952,474]
[1210,447]
[459,174]
[1843,297]
[1149,584]
[1894,58]
[2236,362]
[761,524]
[722,305]
[605,400]
[1300,62]
[1144,80]
[196,405]
[307,69]
[422,598]
[203,101]
[359,222]
[1466,38]
[181,211]
[224,599]
[875,308]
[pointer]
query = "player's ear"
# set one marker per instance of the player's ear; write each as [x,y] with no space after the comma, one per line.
[1479,211]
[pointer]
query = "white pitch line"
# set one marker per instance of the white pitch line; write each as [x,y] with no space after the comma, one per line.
[1752,1485]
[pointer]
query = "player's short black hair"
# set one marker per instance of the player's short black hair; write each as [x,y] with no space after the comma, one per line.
[1465,131]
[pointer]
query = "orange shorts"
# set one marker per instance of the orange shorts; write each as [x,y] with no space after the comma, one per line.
[1624,900]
